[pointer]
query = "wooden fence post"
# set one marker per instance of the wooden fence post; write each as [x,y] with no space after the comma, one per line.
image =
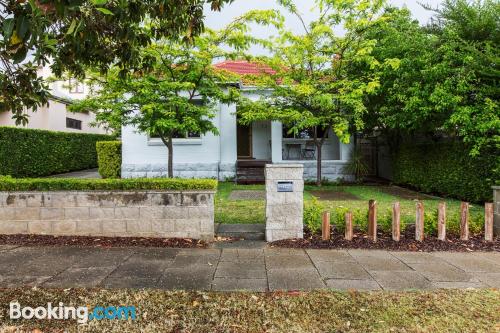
[396,222]
[464,221]
[488,222]
[325,230]
[348,226]
[372,220]
[419,222]
[441,221]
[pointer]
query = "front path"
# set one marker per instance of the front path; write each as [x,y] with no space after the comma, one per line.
[244,269]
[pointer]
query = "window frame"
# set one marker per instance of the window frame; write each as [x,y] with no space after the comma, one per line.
[78,123]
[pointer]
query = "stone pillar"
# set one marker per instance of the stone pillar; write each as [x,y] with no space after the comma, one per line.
[284,201]
[276,141]
[496,202]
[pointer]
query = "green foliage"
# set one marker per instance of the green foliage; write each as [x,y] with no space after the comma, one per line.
[313,210]
[178,88]
[447,78]
[35,153]
[476,222]
[76,34]
[310,73]
[447,169]
[356,165]
[68,184]
[109,158]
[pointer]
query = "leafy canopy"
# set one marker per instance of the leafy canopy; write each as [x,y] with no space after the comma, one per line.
[76,34]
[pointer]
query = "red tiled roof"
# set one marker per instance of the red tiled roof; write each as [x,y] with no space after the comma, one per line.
[243,67]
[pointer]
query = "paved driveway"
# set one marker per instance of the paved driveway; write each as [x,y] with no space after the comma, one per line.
[244,269]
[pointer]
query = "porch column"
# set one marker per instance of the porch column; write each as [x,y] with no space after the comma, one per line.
[276,141]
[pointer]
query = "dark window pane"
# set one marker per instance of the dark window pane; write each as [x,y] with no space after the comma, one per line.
[73,123]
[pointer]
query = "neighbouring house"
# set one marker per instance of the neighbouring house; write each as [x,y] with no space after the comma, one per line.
[238,151]
[56,116]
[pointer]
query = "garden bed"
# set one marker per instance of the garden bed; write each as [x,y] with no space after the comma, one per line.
[48,240]
[385,242]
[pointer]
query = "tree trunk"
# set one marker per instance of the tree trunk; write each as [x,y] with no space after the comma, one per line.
[170,148]
[318,163]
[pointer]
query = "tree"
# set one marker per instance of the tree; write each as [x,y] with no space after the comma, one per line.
[311,82]
[76,34]
[175,91]
[448,79]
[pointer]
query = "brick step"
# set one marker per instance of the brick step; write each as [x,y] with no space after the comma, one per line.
[245,231]
[252,163]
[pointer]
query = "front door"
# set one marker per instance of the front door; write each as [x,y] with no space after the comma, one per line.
[244,137]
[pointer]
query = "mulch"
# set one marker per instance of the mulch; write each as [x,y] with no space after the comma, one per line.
[324,195]
[385,242]
[47,240]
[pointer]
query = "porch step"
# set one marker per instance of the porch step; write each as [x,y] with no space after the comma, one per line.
[245,231]
[250,171]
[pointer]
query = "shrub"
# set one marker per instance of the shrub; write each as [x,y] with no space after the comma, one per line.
[35,153]
[69,184]
[447,169]
[312,215]
[109,158]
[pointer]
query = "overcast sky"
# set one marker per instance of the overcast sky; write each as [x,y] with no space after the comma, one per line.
[217,20]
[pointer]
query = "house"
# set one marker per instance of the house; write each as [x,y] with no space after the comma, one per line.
[56,116]
[238,151]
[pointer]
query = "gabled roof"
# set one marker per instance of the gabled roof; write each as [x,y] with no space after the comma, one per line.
[243,67]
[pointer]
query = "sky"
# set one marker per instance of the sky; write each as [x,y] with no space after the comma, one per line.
[217,20]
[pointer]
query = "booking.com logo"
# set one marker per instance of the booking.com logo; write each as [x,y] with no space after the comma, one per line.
[81,314]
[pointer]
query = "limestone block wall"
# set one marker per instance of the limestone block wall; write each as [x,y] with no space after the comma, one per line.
[496,209]
[185,214]
[284,210]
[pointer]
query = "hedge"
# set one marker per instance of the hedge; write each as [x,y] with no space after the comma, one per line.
[35,153]
[109,158]
[447,169]
[72,184]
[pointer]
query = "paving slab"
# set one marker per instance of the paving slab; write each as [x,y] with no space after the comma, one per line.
[231,284]
[400,280]
[7,247]
[457,285]
[442,272]
[16,281]
[294,279]
[416,257]
[242,270]
[490,279]
[370,253]
[343,284]
[103,257]
[288,262]
[195,278]
[140,269]
[330,256]
[276,251]
[342,270]
[382,264]
[129,283]
[240,244]
[242,254]
[79,278]
[469,262]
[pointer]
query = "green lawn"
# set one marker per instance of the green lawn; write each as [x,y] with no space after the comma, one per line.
[322,311]
[253,211]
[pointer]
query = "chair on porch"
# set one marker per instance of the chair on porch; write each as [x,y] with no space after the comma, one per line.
[309,151]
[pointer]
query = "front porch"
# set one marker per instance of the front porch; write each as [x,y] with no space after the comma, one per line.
[266,142]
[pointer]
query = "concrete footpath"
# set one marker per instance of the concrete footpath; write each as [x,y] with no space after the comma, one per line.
[260,269]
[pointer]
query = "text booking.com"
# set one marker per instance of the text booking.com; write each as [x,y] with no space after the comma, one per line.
[81,314]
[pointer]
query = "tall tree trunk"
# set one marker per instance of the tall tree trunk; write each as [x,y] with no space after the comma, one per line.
[170,148]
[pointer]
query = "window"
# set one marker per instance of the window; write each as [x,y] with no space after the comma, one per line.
[188,135]
[73,123]
[305,134]
[75,87]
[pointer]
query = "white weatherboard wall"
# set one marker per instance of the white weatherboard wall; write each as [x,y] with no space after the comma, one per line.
[211,156]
